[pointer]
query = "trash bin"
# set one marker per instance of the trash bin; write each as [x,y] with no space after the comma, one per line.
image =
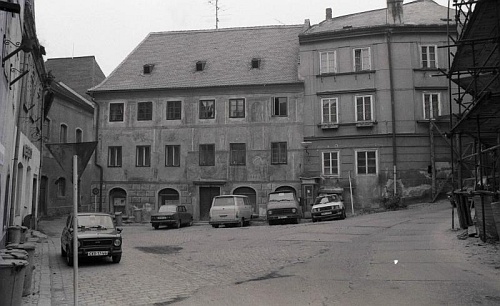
[482,205]
[138,215]
[14,234]
[30,249]
[461,200]
[12,280]
[24,233]
[118,218]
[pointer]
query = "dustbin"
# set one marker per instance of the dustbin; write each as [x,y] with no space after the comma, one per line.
[30,249]
[138,215]
[482,204]
[12,281]
[14,234]
[24,233]
[118,218]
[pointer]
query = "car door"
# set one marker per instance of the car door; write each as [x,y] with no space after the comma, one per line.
[181,210]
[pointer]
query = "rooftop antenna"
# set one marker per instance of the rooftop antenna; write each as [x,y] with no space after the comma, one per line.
[216,4]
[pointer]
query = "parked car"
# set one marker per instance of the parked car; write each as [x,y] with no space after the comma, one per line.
[171,216]
[230,210]
[283,206]
[328,207]
[97,237]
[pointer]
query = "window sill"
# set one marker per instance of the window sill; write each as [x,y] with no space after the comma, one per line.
[328,126]
[365,124]
[344,73]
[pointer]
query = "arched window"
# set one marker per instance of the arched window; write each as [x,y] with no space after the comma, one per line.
[61,187]
[168,196]
[118,200]
[286,188]
[250,193]
[63,133]
[79,135]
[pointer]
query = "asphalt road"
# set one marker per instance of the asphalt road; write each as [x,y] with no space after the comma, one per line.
[408,257]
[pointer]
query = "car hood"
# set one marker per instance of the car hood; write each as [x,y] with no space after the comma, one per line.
[163,214]
[328,204]
[281,204]
[107,233]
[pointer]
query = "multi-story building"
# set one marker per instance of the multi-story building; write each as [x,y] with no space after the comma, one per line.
[375,104]
[189,115]
[22,95]
[70,120]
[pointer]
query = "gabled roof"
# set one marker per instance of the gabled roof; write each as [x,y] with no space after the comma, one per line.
[417,13]
[79,73]
[227,54]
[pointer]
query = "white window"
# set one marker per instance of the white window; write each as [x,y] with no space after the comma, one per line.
[329,110]
[63,133]
[143,156]
[328,62]
[331,163]
[432,105]
[366,162]
[362,59]
[428,56]
[364,108]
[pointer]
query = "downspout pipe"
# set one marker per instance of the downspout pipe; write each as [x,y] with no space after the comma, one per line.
[101,171]
[393,108]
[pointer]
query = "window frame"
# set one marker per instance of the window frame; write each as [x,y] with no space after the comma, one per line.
[204,113]
[207,148]
[330,100]
[431,109]
[279,153]
[63,133]
[239,113]
[237,154]
[337,159]
[426,63]
[78,135]
[366,151]
[362,66]
[372,117]
[277,107]
[61,187]
[325,68]
[145,111]
[115,157]
[116,112]
[174,111]
[143,156]
[172,155]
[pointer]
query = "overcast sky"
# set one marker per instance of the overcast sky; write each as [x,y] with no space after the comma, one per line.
[111,29]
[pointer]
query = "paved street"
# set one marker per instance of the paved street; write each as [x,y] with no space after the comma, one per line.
[408,257]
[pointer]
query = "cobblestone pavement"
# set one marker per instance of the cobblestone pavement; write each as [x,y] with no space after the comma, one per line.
[161,267]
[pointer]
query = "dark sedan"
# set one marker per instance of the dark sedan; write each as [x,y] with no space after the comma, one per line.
[171,216]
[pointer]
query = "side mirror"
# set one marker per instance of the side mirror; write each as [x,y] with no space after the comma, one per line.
[119,229]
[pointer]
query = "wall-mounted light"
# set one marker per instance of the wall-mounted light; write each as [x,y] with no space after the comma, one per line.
[305,145]
[26,45]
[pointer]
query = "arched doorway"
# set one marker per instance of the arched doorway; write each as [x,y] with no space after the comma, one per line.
[251,194]
[118,200]
[168,196]
[287,188]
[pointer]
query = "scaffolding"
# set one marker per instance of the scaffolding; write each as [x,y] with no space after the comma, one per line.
[474,61]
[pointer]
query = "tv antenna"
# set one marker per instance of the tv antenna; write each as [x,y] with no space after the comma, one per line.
[215,3]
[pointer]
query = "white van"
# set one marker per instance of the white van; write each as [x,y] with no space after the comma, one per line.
[230,210]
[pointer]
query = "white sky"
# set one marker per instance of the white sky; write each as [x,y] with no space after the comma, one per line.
[111,29]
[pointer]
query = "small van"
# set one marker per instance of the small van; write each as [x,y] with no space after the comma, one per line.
[230,210]
[283,206]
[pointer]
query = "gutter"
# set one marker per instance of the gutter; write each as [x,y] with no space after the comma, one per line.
[393,109]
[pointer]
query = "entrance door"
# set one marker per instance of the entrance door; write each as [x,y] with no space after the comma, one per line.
[206,196]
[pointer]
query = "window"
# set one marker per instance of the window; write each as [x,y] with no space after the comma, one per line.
[143,156]
[279,153]
[200,65]
[78,135]
[280,106]
[144,111]
[148,68]
[364,108]
[255,63]
[331,163]
[237,154]
[329,110]
[362,59]
[432,106]
[237,108]
[207,109]
[366,162]
[207,155]
[115,112]
[114,156]
[172,156]
[428,55]
[174,110]
[61,187]
[63,133]
[328,62]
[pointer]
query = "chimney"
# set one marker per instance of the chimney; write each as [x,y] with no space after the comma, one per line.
[395,12]
[329,13]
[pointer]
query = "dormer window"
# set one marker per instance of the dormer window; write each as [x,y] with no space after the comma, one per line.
[200,65]
[255,63]
[148,68]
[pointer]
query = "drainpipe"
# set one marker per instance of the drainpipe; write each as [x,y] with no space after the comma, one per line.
[393,109]
[101,171]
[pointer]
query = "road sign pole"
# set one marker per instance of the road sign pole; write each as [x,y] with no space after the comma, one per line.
[75,229]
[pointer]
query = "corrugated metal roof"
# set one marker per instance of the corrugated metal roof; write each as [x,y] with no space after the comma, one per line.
[227,52]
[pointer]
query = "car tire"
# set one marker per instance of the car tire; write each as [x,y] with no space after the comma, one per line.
[69,257]
[178,223]
[215,225]
[343,215]
[296,221]
[116,258]
[191,222]
[313,220]
[156,226]
[242,222]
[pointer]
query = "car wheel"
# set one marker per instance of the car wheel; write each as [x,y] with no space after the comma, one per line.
[191,222]
[242,222]
[343,215]
[116,258]
[270,222]
[296,221]
[215,225]
[156,226]
[69,257]
[178,223]
[313,220]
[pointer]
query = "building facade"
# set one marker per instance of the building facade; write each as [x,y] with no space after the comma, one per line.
[375,105]
[193,114]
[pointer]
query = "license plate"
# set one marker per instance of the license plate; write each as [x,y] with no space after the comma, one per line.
[97,253]
[326,213]
[282,217]
[222,216]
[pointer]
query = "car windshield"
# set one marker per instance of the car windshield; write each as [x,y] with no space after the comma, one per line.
[326,199]
[281,196]
[95,221]
[168,208]
[224,201]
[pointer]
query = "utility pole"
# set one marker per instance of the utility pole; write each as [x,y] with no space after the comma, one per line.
[216,4]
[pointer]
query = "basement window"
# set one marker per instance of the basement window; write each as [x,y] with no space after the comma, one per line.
[255,63]
[200,65]
[148,68]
